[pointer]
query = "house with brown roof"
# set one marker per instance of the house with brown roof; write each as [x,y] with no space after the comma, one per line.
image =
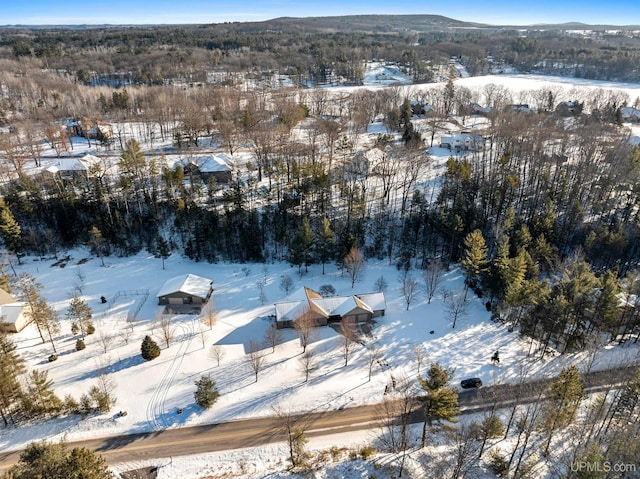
[322,310]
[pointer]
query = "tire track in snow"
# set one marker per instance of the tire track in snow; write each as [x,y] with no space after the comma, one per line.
[156,405]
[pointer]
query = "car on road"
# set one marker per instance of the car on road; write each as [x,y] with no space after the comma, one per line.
[471,383]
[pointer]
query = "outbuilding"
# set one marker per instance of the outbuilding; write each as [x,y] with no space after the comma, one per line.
[187,289]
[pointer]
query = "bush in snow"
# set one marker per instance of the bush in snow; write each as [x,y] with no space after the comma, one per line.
[149,349]
[206,393]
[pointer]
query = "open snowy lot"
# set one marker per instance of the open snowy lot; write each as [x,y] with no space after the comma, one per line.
[151,392]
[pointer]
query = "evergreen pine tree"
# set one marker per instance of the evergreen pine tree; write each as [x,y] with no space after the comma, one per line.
[40,399]
[80,314]
[440,403]
[10,230]
[302,246]
[325,243]
[149,349]
[565,394]
[474,261]
[11,367]
[206,393]
[53,461]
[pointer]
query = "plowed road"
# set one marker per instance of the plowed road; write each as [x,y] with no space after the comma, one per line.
[255,432]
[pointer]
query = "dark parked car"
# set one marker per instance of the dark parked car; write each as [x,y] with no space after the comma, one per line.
[471,383]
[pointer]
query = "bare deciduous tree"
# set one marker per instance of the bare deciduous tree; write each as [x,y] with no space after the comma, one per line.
[125,332]
[381,284]
[209,314]
[273,336]
[202,334]
[420,355]
[409,287]
[305,328]
[393,416]
[432,276]
[347,340]
[293,426]
[105,338]
[373,357]
[286,283]
[167,331]
[262,295]
[307,362]
[216,353]
[455,305]
[255,358]
[354,263]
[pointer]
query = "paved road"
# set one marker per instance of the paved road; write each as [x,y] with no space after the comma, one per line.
[255,432]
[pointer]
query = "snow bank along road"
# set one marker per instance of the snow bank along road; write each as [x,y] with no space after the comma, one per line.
[255,432]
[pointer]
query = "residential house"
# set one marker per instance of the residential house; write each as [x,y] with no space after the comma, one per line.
[420,107]
[12,317]
[72,168]
[477,109]
[87,128]
[464,141]
[629,113]
[520,108]
[187,289]
[218,166]
[309,304]
[569,108]
[363,162]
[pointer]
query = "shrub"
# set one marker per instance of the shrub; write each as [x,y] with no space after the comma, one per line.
[70,405]
[327,290]
[91,328]
[80,345]
[149,349]
[53,357]
[366,452]
[498,463]
[206,393]
[101,399]
[336,453]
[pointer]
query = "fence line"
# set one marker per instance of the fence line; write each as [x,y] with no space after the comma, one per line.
[131,315]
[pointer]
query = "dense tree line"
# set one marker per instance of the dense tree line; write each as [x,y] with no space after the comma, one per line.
[304,49]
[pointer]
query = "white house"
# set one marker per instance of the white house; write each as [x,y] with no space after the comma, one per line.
[462,141]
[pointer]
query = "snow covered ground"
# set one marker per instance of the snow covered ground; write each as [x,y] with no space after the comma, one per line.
[151,392]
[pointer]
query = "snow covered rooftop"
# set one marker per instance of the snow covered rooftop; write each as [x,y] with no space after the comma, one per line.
[10,313]
[187,283]
[67,164]
[210,164]
[304,299]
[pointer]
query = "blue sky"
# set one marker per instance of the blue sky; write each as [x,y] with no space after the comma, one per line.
[39,12]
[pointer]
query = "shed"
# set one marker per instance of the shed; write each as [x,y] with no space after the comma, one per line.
[186,289]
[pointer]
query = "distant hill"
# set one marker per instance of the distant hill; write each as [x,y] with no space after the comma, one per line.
[347,23]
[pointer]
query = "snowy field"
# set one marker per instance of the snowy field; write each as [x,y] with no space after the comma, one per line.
[152,391]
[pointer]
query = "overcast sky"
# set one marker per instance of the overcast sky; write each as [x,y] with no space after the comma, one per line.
[42,12]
